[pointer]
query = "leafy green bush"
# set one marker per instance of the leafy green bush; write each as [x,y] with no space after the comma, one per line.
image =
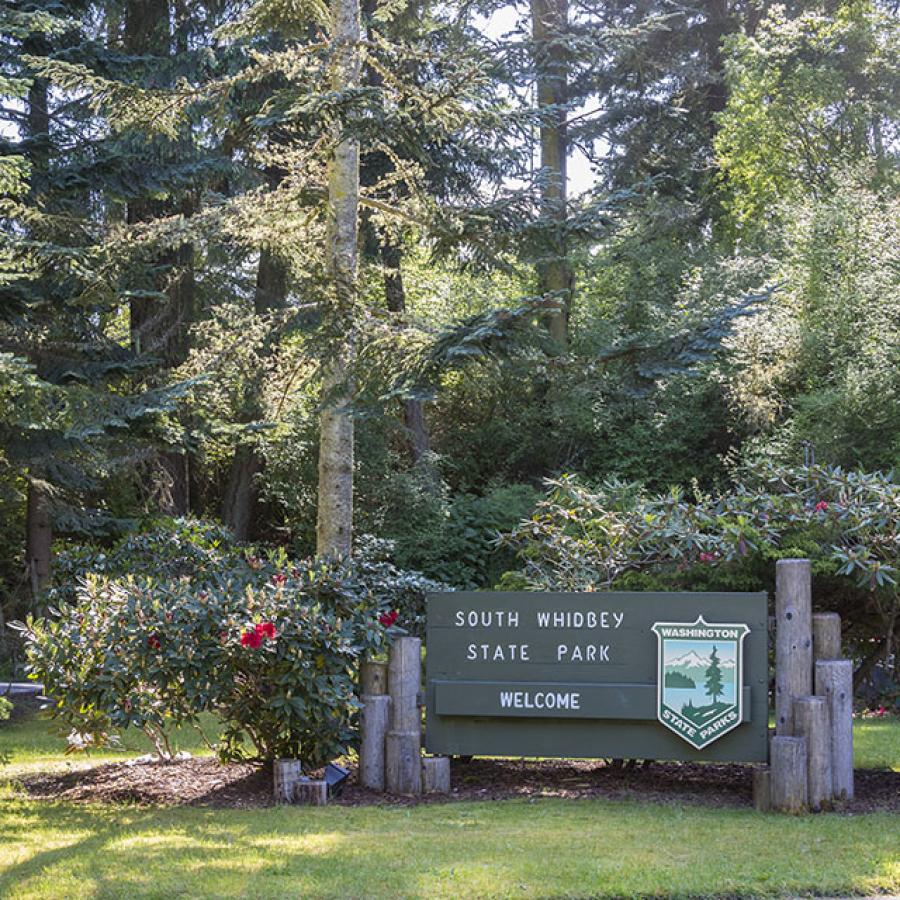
[270,646]
[581,536]
[5,709]
[847,523]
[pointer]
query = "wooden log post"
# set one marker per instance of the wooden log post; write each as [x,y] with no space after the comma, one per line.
[813,722]
[793,639]
[403,749]
[287,774]
[762,789]
[373,678]
[436,774]
[834,682]
[789,774]
[311,793]
[374,718]
[826,636]
[373,724]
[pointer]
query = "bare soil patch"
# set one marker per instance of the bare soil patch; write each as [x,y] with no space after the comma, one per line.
[204,782]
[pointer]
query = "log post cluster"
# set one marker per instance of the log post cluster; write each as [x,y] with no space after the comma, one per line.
[390,752]
[811,751]
[390,756]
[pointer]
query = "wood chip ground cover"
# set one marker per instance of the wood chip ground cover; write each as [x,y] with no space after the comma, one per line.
[204,782]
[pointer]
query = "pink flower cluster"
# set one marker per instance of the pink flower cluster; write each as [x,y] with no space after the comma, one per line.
[254,637]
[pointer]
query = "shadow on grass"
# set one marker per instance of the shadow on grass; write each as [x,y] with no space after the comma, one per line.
[544,848]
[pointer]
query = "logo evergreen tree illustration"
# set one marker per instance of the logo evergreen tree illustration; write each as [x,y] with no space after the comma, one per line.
[714,677]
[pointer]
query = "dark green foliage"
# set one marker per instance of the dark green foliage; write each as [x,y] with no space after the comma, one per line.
[160,551]
[454,540]
[162,184]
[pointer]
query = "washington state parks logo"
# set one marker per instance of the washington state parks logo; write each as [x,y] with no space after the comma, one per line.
[699,694]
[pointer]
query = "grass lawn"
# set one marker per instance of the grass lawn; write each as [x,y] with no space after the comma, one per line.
[543,848]
[33,744]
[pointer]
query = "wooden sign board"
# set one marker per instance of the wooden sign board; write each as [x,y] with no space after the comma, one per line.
[620,674]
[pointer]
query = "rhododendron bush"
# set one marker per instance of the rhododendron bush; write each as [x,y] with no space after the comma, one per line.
[274,654]
[585,537]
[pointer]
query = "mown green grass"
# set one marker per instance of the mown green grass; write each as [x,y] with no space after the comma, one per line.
[543,848]
[876,743]
[546,848]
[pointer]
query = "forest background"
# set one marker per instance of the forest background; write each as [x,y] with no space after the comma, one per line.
[647,241]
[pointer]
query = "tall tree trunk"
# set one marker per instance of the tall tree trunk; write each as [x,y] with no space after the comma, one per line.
[160,326]
[240,505]
[38,538]
[334,527]
[413,410]
[549,25]
[38,512]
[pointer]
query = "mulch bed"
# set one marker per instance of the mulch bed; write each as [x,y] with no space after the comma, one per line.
[204,782]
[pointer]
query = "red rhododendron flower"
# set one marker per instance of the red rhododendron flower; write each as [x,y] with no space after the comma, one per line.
[153,642]
[821,506]
[279,578]
[251,639]
[266,630]
[387,619]
[707,557]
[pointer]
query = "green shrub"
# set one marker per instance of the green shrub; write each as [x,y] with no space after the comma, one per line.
[269,646]
[5,709]
[618,535]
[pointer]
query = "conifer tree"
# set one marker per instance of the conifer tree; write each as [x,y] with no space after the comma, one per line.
[60,297]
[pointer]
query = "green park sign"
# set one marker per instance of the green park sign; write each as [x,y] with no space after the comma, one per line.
[618,674]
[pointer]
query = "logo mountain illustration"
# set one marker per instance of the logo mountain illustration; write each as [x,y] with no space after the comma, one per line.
[692,663]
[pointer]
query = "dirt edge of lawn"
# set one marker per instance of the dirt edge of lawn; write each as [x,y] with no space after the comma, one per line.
[205,782]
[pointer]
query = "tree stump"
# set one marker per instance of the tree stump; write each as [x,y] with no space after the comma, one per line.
[793,639]
[404,681]
[403,749]
[789,774]
[812,721]
[403,762]
[834,682]
[373,678]
[762,789]
[436,775]
[311,793]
